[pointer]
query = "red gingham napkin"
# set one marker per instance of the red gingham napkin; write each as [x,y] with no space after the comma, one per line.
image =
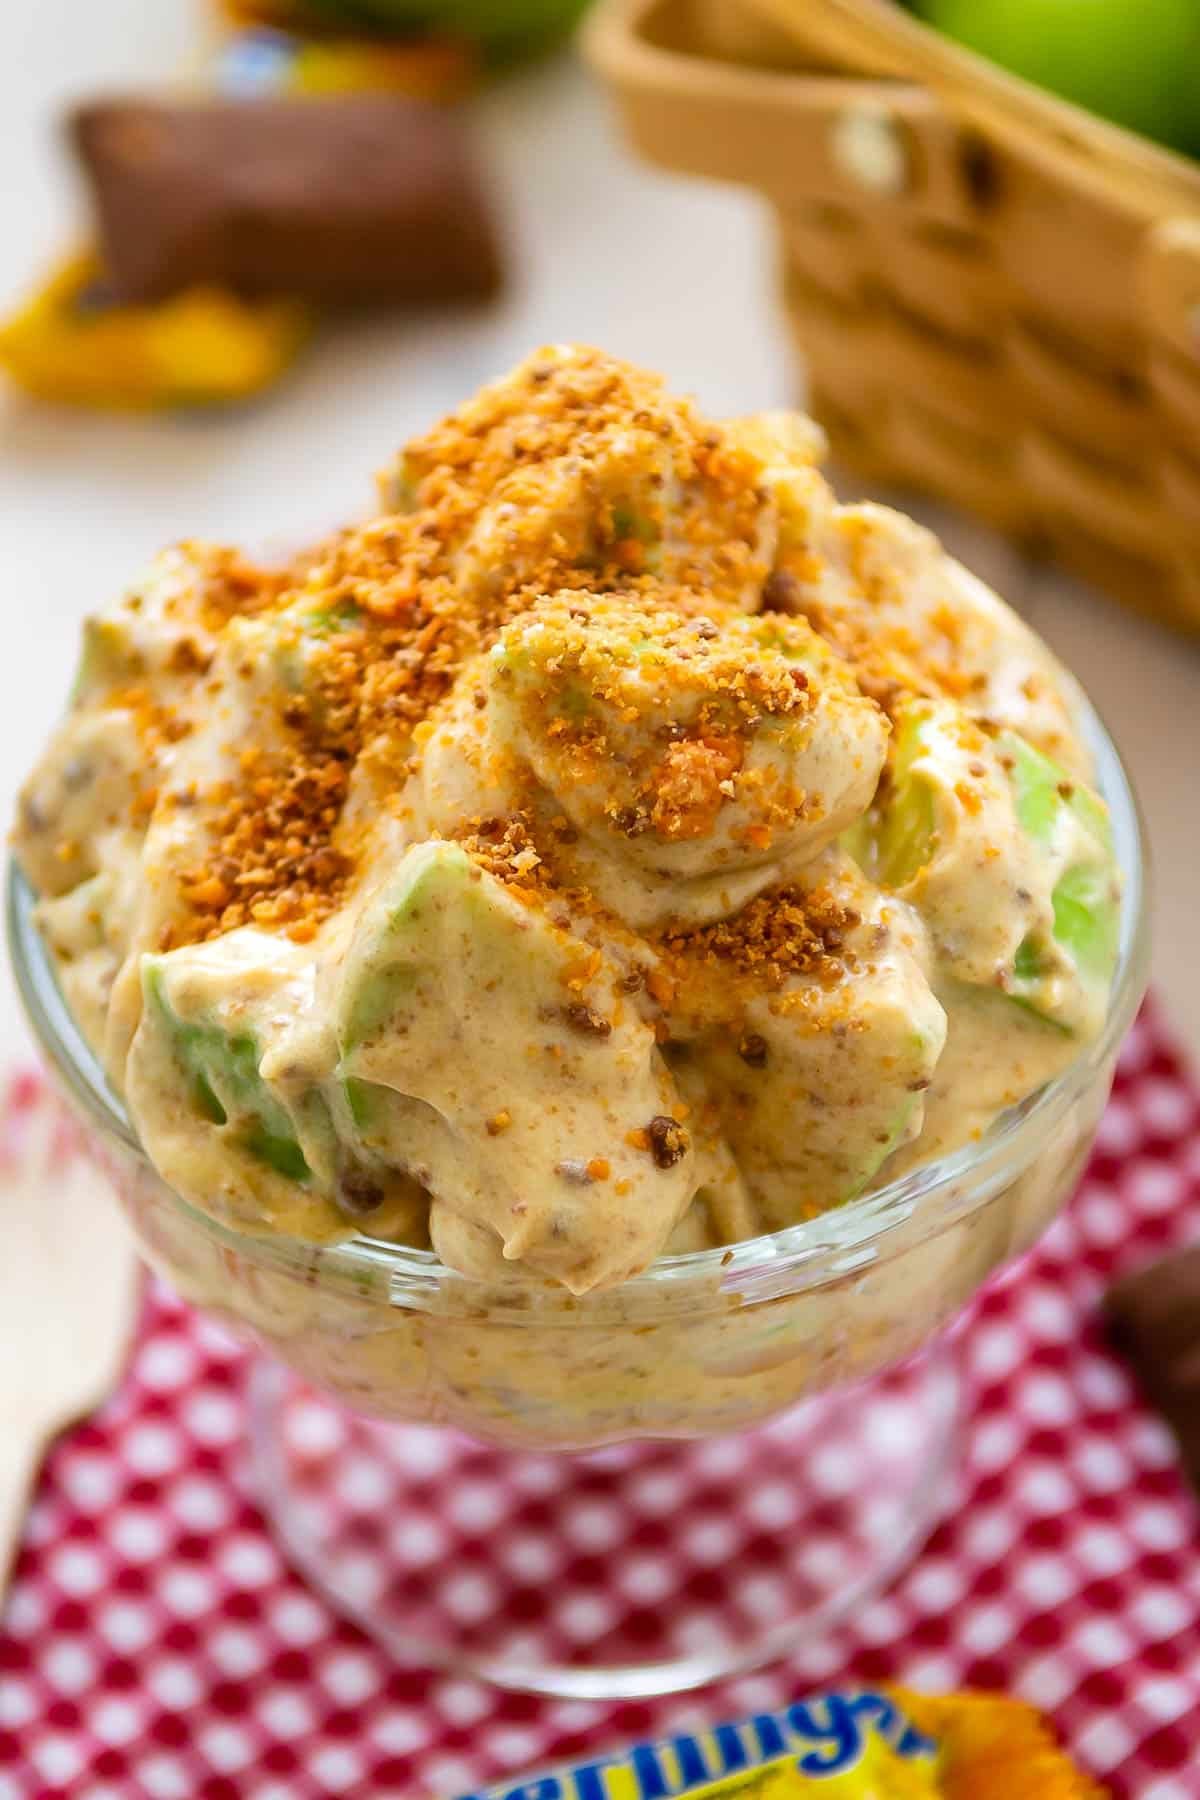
[156,1646]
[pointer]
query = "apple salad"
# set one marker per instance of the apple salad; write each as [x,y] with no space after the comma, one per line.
[614,846]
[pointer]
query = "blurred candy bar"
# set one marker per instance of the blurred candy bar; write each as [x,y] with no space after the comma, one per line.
[342,199]
[1154,1321]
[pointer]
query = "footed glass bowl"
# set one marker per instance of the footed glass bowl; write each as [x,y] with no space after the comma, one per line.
[638,1490]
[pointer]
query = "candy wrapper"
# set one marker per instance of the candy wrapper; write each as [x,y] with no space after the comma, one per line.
[72,340]
[275,61]
[840,1746]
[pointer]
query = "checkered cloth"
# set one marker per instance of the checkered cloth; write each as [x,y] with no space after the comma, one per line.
[155,1645]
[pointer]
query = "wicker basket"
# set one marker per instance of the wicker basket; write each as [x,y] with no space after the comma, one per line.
[997,295]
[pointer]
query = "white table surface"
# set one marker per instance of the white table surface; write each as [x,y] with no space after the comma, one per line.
[670,272]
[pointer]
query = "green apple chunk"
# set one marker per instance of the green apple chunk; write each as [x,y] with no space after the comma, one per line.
[1071,824]
[614,492]
[239,1076]
[194,1076]
[504,1069]
[79,812]
[610,511]
[159,630]
[1009,861]
[221,1070]
[75,814]
[683,743]
[816,1074]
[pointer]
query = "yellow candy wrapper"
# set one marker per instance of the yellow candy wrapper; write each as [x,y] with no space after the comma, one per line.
[839,1746]
[205,347]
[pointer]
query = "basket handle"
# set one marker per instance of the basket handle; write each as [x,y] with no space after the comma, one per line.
[1168,280]
[837,137]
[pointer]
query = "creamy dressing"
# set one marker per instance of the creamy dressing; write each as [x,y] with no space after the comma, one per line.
[590,977]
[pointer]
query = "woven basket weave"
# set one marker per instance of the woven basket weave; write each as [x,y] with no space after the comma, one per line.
[997,295]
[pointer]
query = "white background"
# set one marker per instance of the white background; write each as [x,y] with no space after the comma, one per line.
[674,273]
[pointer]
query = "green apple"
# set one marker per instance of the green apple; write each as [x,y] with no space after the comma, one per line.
[505,28]
[1134,62]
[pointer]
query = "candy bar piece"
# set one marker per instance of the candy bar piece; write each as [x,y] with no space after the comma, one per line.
[353,198]
[1154,1321]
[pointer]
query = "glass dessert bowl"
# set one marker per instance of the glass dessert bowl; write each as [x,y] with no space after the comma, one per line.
[745,1416]
[594,965]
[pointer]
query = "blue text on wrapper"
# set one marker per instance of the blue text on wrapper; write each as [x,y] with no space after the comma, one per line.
[826,1737]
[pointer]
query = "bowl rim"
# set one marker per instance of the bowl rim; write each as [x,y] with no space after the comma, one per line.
[812,1253]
